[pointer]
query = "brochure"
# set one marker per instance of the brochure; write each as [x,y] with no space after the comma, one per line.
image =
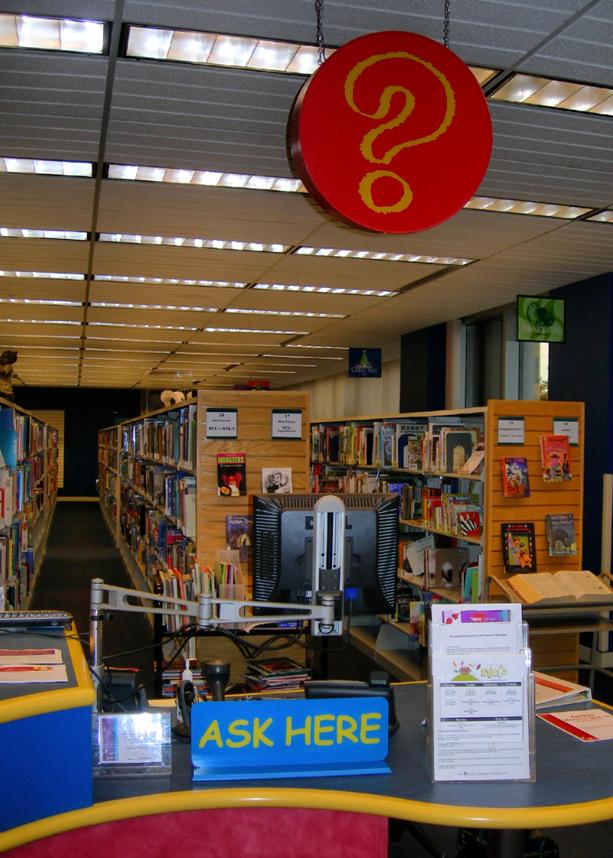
[588,725]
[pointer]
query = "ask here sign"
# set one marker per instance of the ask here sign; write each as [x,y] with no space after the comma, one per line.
[289,738]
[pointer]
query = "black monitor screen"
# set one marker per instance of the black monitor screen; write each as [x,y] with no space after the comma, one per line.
[283,549]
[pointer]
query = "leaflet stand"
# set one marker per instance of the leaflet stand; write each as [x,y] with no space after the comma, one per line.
[481,694]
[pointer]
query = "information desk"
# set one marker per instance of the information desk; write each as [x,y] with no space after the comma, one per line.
[573,787]
[45,735]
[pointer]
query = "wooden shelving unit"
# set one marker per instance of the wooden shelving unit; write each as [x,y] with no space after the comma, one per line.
[136,457]
[28,474]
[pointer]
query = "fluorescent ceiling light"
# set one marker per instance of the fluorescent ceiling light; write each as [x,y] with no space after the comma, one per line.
[51,34]
[210,178]
[186,308]
[332,290]
[43,275]
[545,92]
[41,322]
[526,207]
[304,314]
[378,255]
[206,243]
[6,232]
[301,357]
[252,331]
[47,168]
[302,346]
[236,51]
[168,281]
[149,327]
[42,301]
[603,217]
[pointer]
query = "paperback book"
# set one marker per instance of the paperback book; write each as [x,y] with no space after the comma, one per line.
[239,535]
[515,480]
[518,546]
[561,535]
[555,458]
[231,474]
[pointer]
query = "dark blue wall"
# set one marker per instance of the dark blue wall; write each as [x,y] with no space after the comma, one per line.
[422,369]
[581,369]
[86,411]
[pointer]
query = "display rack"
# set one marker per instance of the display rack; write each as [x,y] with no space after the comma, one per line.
[362,453]
[28,488]
[158,481]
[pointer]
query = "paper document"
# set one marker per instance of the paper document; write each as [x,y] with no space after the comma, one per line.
[20,673]
[589,725]
[30,656]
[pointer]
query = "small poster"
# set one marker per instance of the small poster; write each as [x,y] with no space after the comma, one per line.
[277,481]
[286,424]
[515,479]
[231,474]
[364,363]
[221,422]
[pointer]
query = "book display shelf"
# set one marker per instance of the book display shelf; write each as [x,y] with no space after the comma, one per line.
[28,489]
[166,496]
[456,503]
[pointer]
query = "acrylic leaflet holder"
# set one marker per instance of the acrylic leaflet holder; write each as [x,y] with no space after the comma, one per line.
[481,694]
[132,744]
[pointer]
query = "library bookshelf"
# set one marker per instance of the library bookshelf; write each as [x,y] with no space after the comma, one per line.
[28,490]
[158,478]
[363,453]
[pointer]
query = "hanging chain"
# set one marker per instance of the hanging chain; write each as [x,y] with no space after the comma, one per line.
[321,46]
[446,24]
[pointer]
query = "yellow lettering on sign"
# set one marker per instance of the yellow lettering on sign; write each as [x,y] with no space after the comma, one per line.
[291,731]
[367,727]
[238,728]
[258,733]
[346,728]
[211,734]
[322,725]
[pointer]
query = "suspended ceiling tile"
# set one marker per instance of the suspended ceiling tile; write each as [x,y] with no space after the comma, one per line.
[34,254]
[38,202]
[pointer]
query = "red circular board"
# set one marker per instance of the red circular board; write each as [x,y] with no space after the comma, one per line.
[392,133]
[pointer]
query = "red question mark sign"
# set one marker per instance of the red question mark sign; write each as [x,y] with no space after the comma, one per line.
[392,133]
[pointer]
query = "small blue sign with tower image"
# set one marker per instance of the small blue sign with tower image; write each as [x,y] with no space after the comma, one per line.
[364,363]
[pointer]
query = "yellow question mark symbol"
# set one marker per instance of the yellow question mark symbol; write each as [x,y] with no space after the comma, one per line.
[385,99]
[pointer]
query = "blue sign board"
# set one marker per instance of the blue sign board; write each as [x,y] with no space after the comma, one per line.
[238,740]
[364,363]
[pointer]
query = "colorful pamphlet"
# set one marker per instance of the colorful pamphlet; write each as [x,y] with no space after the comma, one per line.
[515,481]
[231,474]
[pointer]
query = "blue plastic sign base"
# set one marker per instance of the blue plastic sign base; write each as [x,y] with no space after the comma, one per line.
[255,739]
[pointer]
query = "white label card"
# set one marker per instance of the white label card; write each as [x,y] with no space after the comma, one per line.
[511,430]
[221,423]
[286,424]
[567,426]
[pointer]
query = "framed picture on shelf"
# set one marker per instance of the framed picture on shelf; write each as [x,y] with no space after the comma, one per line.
[518,546]
[540,319]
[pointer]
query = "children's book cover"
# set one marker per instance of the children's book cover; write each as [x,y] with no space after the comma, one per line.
[561,535]
[518,546]
[231,474]
[239,535]
[555,458]
[277,481]
[515,480]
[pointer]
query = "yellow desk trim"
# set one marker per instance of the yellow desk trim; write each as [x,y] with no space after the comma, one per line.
[43,702]
[241,797]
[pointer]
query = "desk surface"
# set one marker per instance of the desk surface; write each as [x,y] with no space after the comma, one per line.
[573,786]
[25,700]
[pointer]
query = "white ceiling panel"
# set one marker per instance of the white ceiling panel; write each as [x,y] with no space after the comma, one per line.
[67,107]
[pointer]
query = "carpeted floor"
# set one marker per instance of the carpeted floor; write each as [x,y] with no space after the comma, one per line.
[80,548]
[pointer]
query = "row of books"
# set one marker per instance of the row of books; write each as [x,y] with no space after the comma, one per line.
[168,438]
[171,490]
[419,447]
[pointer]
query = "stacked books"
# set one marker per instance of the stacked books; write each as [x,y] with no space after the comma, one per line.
[275,674]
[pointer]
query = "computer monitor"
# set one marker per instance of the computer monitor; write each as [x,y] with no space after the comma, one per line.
[283,550]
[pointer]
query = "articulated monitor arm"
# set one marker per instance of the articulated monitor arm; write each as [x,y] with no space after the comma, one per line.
[208,613]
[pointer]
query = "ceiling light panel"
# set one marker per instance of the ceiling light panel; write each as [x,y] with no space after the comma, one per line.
[210,178]
[526,207]
[205,243]
[545,92]
[167,281]
[43,275]
[46,168]
[345,253]
[603,217]
[331,290]
[51,34]
[304,314]
[60,234]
